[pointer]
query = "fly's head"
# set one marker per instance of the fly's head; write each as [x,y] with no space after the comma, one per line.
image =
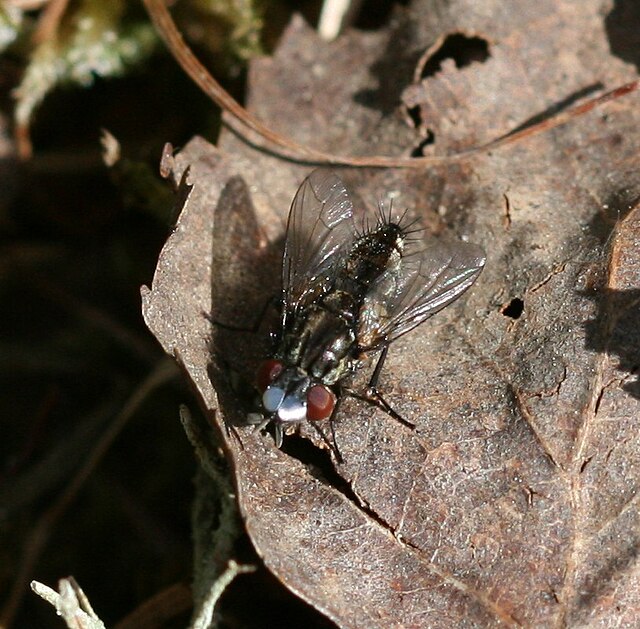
[290,396]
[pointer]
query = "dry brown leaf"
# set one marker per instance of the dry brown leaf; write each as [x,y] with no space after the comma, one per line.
[514,503]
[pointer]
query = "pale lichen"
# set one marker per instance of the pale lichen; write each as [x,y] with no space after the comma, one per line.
[11,18]
[92,41]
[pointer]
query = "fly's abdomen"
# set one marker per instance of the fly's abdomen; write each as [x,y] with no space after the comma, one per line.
[373,255]
[371,272]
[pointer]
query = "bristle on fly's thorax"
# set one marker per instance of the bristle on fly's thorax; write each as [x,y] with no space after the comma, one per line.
[381,247]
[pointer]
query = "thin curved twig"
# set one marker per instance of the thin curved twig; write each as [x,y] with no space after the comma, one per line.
[244,124]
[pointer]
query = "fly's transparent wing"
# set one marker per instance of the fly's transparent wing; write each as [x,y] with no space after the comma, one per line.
[320,231]
[425,283]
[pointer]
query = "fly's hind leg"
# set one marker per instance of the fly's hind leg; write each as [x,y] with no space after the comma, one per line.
[373,396]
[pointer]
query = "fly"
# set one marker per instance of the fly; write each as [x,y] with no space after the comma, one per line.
[347,294]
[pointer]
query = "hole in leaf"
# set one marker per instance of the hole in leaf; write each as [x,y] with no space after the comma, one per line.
[514,308]
[623,30]
[414,114]
[463,49]
[374,15]
[427,141]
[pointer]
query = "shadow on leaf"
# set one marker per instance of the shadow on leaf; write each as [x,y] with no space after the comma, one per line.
[244,279]
[615,331]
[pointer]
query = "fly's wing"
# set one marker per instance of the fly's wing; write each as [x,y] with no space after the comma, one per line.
[425,283]
[320,232]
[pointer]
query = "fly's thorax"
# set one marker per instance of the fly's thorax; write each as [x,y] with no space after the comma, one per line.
[332,360]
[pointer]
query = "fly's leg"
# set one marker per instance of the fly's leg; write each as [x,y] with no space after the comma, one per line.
[254,328]
[332,446]
[333,433]
[373,396]
[375,376]
[260,423]
[278,434]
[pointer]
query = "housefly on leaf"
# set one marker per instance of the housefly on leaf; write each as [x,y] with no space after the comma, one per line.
[349,291]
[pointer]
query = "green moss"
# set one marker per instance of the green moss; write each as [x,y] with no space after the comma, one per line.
[92,41]
[11,18]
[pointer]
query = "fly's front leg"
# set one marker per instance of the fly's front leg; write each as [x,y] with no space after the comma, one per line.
[278,434]
[332,420]
[373,396]
[272,301]
[331,444]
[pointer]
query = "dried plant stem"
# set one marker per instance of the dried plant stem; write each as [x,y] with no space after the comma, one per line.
[241,120]
[71,604]
[49,21]
[254,132]
[204,615]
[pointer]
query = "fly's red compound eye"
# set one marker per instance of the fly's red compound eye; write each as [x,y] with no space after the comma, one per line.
[268,372]
[320,402]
